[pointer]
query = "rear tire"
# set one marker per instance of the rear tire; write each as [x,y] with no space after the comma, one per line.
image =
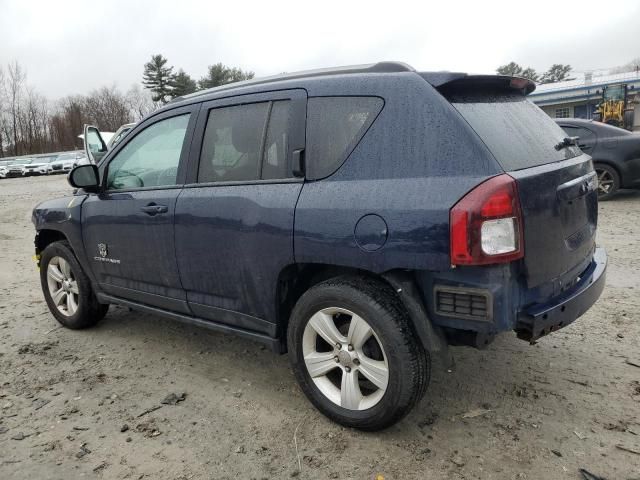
[629,116]
[608,181]
[354,353]
[67,289]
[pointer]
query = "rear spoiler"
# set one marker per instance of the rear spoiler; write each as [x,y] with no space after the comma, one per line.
[451,82]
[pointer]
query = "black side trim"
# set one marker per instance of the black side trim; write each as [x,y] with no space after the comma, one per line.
[237,319]
[273,343]
[145,298]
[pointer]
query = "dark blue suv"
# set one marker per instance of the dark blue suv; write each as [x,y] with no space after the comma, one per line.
[362,219]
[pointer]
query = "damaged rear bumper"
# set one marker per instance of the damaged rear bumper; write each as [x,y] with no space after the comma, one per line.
[541,319]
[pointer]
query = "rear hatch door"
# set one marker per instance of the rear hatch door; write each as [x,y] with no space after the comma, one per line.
[556,183]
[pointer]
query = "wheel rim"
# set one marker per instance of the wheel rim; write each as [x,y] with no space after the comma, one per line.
[63,286]
[605,181]
[345,359]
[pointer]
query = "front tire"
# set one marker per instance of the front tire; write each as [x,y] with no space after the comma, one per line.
[354,354]
[67,289]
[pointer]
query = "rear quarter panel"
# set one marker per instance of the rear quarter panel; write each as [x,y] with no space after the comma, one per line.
[623,153]
[417,159]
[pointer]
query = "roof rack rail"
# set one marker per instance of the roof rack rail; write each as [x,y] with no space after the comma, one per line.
[380,67]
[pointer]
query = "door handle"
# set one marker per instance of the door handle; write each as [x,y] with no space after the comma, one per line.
[153,209]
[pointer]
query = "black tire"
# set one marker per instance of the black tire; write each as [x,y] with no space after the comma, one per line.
[89,310]
[612,176]
[629,116]
[409,365]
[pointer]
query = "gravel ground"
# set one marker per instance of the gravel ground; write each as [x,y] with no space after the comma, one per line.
[73,403]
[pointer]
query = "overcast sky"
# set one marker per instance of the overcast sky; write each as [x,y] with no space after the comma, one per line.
[71,47]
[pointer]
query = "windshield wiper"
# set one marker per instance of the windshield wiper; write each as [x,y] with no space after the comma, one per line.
[567,142]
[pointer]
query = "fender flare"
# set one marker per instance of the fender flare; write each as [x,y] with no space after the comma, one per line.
[431,336]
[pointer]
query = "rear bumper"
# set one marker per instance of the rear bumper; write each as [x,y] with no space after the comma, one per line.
[540,319]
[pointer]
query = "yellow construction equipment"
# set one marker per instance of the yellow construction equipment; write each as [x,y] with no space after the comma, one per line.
[614,109]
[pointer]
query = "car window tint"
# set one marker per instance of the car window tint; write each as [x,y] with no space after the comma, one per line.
[570,131]
[585,135]
[517,132]
[335,125]
[276,145]
[232,143]
[151,158]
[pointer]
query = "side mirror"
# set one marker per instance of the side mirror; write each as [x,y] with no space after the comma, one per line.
[86,177]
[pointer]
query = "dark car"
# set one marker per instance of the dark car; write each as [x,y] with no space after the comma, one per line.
[615,153]
[361,219]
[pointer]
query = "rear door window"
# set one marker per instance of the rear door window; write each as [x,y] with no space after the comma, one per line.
[232,143]
[518,133]
[335,125]
[276,146]
[246,143]
[584,135]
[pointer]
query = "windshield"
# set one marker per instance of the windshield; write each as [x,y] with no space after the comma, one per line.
[518,133]
[22,162]
[119,136]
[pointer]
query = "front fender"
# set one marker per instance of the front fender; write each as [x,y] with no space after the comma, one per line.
[61,217]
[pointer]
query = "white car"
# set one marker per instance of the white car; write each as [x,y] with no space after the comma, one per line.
[16,167]
[64,162]
[44,164]
[37,165]
[4,166]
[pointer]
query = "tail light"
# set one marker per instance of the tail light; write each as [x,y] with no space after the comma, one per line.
[486,224]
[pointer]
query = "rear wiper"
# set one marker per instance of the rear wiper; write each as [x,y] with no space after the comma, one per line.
[567,142]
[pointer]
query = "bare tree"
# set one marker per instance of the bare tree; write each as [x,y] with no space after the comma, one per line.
[15,84]
[2,113]
[632,66]
[107,108]
[66,124]
[140,102]
[35,121]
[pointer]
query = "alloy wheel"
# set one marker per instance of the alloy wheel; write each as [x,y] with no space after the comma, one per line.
[63,286]
[345,358]
[605,181]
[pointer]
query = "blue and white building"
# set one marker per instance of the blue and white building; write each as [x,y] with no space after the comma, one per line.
[578,98]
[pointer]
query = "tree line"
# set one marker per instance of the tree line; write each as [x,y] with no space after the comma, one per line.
[558,72]
[30,123]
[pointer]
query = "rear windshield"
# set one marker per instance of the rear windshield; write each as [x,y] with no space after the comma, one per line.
[518,133]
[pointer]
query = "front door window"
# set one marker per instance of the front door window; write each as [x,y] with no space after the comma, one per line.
[151,158]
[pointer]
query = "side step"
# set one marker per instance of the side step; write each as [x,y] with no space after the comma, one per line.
[273,343]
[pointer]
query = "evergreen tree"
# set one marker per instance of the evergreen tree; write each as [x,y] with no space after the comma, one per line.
[557,73]
[220,74]
[531,74]
[157,78]
[511,69]
[182,84]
